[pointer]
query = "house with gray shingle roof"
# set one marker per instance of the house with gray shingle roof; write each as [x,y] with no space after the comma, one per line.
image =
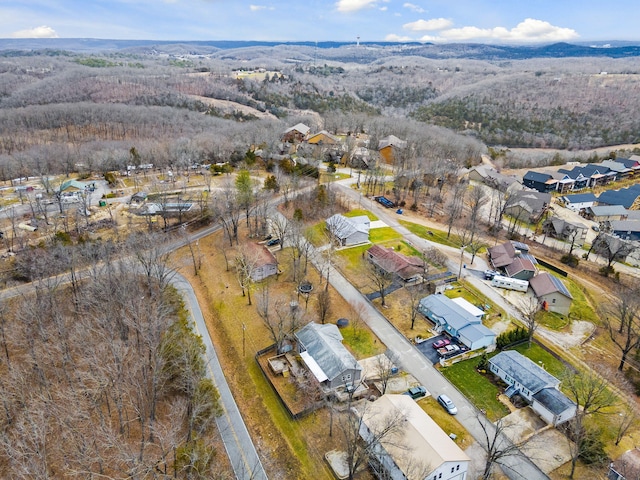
[347,231]
[321,349]
[534,384]
[551,292]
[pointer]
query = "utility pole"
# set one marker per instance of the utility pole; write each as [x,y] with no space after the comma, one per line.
[461,258]
[244,329]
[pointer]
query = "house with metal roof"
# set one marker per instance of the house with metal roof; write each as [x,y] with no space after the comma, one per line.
[590,175]
[389,146]
[323,138]
[604,213]
[322,351]
[418,450]
[454,319]
[540,181]
[297,133]
[629,197]
[534,384]
[347,231]
[578,201]
[552,293]
[621,170]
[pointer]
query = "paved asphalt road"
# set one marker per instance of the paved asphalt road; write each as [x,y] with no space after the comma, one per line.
[242,453]
[413,361]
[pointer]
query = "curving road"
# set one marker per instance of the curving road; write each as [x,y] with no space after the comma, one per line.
[235,436]
[237,441]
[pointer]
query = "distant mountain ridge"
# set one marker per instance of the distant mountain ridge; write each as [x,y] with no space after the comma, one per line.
[477,51]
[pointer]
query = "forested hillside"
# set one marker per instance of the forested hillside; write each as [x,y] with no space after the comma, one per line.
[60,108]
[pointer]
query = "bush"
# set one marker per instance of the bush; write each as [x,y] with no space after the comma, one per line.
[511,337]
[592,449]
[111,179]
[606,271]
[570,260]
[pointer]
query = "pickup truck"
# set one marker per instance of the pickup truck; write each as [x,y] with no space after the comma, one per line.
[448,350]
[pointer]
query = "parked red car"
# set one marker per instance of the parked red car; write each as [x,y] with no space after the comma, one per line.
[441,343]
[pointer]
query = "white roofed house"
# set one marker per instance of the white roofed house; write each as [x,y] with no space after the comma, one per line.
[296,134]
[347,231]
[406,444]
[321,349]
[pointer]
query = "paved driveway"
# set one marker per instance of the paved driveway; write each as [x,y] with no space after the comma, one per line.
[426,348]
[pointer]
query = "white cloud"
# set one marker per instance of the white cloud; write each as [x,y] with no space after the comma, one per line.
[383,9]
[529,30]
[428,25]
[415,8]
[38,32]
[257,8]
[392,37]
[354,5]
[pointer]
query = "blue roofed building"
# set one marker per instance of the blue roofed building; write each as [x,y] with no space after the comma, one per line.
[451,317]
[534,384]
[542,182]
[627,197]
[626,229]
[578,201]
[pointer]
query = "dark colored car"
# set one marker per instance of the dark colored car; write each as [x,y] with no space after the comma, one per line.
[416,392]
[448,404]
[441,343]
[273,241]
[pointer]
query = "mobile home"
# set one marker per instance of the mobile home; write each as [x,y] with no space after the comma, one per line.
[510,283]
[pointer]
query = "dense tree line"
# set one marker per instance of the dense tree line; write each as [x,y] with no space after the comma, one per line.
[104,377]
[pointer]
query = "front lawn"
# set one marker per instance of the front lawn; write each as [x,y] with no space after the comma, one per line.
[359,212]
[384,234]
[428,233]
[446,422]
[542,357]
[476,387]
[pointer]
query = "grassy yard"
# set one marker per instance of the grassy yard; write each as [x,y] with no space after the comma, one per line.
[473,295]
[362,342]
[476,387]
[384,234]
[295,448]
[438,236]
[359,212]
[446,422]
[539,355]
[582,307]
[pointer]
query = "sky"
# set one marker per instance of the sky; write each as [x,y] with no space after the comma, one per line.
[438,21]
